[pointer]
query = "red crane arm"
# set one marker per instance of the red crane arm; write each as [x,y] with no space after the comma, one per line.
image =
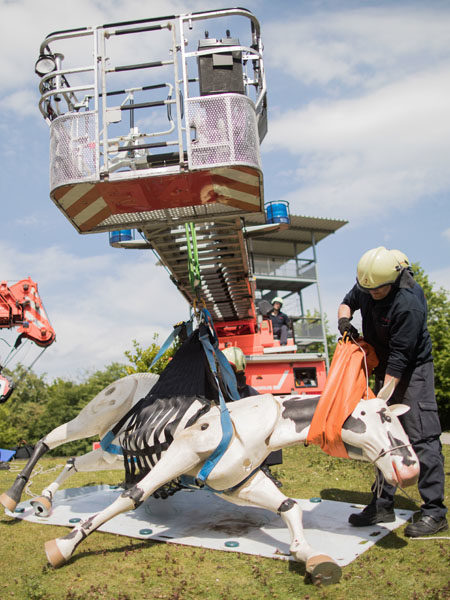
[21,307]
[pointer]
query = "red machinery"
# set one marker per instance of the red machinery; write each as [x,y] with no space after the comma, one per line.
[21,307]
[270,367]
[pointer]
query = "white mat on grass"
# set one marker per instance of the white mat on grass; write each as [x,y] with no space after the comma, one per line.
[200,518]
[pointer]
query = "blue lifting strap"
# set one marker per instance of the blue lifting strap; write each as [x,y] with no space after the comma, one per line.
[107,446]
[171,339]
[228,377]
[212,349]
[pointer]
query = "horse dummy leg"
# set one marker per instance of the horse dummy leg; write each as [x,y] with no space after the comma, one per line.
[105,408]
[178,459]
[261,492]
[91,461]
[68,432]
[11,498]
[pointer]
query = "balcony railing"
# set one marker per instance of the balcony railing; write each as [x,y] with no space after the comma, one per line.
[285,267]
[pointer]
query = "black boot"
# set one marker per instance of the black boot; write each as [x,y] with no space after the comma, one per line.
[426,525]
[372,515]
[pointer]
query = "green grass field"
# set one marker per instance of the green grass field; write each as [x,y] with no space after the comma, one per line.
[113,567]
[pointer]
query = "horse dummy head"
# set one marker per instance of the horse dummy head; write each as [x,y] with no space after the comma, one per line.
[373,432]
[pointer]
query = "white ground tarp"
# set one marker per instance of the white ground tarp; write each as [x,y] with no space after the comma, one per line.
[200,518]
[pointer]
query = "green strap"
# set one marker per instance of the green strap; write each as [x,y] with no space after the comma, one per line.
[193,264]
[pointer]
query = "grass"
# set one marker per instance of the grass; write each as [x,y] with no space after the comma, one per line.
[111,567]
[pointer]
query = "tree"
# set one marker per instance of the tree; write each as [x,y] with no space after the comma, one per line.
[36,407]
[65,401]
[18,416]
[142,358]
[439,326]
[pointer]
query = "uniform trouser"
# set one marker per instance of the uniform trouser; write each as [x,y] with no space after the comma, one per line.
[421,424]
[281,333]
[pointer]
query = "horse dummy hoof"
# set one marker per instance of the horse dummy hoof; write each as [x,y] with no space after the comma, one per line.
[42,506]
[323,570]
[54,555]
[8,502]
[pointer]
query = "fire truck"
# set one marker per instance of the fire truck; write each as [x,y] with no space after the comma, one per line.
[155,133]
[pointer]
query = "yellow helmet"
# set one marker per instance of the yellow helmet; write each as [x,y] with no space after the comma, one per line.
[236,358]
[402,258]
[277,299]
[377,267]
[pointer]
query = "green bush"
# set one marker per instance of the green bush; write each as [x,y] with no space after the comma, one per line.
[439,326]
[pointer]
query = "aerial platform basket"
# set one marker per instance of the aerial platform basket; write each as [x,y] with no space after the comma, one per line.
[145,130]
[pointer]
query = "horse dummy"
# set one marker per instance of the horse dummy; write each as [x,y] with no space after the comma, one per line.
[168,430]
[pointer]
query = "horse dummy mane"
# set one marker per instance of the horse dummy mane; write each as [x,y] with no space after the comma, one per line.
[154,419]
[345,386]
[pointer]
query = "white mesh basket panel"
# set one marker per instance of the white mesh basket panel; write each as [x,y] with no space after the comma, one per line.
[73,155]
[225,131]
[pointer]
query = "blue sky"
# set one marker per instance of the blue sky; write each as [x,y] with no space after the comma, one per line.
[359,129]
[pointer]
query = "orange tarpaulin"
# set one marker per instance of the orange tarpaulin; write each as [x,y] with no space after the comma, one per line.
[345,386]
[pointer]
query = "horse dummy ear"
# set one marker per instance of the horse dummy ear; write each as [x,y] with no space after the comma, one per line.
[398,409]
[386,392]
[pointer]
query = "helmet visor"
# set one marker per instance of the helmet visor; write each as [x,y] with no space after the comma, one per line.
[367,290]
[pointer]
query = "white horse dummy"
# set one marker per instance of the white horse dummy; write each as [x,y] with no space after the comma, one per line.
[192,431]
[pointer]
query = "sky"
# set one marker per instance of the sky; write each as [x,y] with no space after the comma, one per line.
[359,129]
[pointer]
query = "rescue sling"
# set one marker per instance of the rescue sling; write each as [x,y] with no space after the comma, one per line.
[346,385]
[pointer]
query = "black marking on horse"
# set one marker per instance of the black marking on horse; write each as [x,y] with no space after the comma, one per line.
[401,450]
[135,494]
[286,505]
[86,525]
[385,418]
[74,533]
[355,425]
[300,410]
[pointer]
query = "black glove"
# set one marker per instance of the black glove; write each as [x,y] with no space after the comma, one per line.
[345,326]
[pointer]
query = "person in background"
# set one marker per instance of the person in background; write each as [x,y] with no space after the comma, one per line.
[237,360]
[394,322]
[280,321]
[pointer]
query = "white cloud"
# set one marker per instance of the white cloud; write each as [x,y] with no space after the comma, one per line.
[21,102]
[367,46]
[446,233]
[382,150]
[441,278]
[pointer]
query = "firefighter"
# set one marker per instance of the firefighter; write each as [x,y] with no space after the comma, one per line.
[393,312]
[280,321]
[237,360]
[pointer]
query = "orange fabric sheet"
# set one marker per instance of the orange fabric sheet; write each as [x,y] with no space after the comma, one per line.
[345,386]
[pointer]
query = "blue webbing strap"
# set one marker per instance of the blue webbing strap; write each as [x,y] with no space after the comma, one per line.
[228,376]
[229,379]
[107,446]
[212,349]
[170,340]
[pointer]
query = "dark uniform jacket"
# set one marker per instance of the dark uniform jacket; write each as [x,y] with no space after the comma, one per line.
[278,320]
[395,326]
